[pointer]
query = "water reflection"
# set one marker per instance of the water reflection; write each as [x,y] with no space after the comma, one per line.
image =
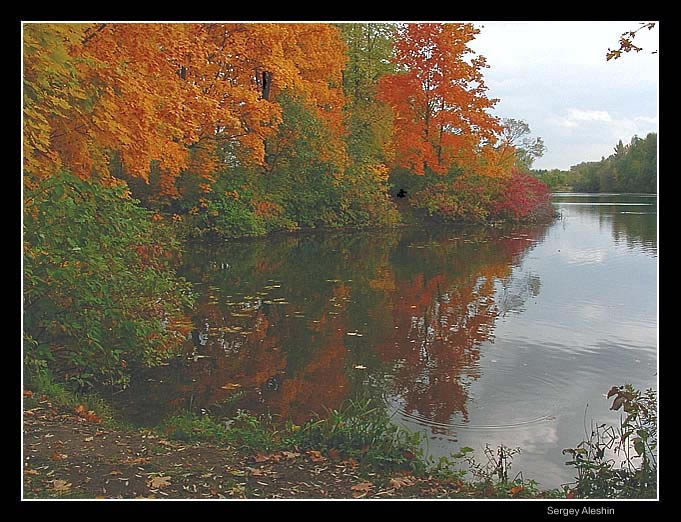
[632,218]
[294,325]
[469,335]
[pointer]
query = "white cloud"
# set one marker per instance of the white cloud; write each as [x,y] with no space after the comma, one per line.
[646,121]
[575,117]
[565,122]
[580,115]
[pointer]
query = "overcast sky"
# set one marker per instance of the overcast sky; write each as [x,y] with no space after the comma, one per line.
[554,76]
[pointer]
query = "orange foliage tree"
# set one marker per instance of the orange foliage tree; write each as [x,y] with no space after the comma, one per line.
[152,91]
[438,98]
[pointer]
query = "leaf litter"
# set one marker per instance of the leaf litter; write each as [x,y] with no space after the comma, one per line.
[141,464]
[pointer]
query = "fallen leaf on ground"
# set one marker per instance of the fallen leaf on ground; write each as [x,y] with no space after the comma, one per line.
[361,489]
[58,456]
[158,482]
[516,489]
[290,454]
[399,482]
[138,460]
[89,415]
[261,457]
[28,393]
[316,456]
[61,485]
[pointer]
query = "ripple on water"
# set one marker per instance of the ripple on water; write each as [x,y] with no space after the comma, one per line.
[509,390]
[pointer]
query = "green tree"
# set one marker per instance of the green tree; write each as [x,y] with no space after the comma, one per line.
[100,294]
[304,166]
[369,49]
[631,168]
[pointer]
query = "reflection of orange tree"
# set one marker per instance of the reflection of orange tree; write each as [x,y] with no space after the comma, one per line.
[248,359]
[440,322]
[443,334]
[322,382]
[240,355]
[426,314]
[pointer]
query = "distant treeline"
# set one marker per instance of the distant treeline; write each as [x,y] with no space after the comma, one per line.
[631,168]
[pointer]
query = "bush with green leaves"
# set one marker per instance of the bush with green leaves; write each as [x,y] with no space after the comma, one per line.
[100,293]
[225,216]
[477,199]
[468,198]
[620,462]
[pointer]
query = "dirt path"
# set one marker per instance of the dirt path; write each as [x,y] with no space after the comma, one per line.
[67,455]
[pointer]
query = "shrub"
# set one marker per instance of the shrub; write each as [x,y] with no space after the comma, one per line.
[467,198]
[365,200]
[100,296]
[477,199]
[363,430]
[226,216]
[522,197]
[620,462]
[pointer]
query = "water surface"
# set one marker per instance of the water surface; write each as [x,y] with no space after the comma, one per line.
[470,335]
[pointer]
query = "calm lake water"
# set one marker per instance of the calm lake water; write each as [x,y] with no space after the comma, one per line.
[470,335]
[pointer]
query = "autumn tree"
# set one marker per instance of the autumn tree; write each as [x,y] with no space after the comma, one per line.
[438,98]
[163,92]
[52,91]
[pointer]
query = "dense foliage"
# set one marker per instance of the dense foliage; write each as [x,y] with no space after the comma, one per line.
[246,128]
[518,197]
[99,295]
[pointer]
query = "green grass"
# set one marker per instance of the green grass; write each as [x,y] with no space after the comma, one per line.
[40,382]
[359,430]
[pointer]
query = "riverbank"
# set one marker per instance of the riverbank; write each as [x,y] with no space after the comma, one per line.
[69,453]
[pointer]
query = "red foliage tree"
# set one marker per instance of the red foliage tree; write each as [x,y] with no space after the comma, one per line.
[522,195]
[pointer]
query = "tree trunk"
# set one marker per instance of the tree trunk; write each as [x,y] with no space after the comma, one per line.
[266,84]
